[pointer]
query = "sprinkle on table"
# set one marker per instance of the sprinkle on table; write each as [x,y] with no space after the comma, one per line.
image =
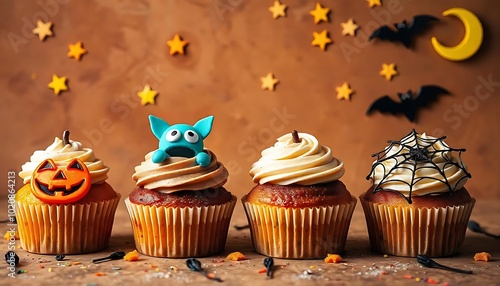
[373,3]
[8,235]
[236,256]
[333,258]
[482,256]
[388,71]
[349,28]
[99,273]
[147,95]
[132,256]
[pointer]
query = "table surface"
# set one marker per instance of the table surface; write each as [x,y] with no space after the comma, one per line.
[359,265]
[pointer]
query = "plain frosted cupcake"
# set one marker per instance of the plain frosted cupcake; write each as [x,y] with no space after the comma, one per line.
[180,208]
[65,206]
[299,208]
[418,203]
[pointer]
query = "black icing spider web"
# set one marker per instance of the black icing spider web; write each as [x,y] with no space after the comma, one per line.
[413,152]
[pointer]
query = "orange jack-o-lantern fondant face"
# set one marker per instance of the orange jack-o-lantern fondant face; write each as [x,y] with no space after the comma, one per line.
[60,184]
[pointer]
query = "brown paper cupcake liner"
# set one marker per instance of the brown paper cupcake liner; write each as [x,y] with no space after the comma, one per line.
[180,232]
[410,231]
[65,229]
[299,233]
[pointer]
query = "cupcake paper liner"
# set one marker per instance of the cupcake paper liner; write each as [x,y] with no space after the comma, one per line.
[410,231]
[299,233]
[180,232]
[65,229]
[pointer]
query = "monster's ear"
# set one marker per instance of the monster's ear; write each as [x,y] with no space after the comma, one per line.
[158,126]
[204,126]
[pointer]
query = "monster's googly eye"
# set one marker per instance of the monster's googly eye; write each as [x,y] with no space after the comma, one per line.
[191,136]
[173,135]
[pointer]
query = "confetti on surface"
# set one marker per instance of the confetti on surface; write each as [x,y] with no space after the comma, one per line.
[131,256]
[320,13]
[269,82]
[333,258]
[482,256]
[236,256]
[76,50]
[147,95]
[373,3]
[58,84]
[388,71]
[43,29]
[8,234]
[321,39]
[100,274]
[176,45]
[349,28]
[278,9]
[344,92]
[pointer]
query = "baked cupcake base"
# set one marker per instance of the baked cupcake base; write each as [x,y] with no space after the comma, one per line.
[410,231]
[65,229]
[179,232]
[299,233]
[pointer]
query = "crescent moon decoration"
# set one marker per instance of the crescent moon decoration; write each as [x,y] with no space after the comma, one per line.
[470,43]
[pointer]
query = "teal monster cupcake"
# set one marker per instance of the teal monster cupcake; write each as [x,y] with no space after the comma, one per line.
[179,207]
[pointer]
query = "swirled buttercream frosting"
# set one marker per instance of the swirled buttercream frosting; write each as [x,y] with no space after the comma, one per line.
[179,174]
[304,163]
[62,154]
[418,165]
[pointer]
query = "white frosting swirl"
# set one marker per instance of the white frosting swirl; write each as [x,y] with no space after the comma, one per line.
[62,154]
[303,163]
[429,177]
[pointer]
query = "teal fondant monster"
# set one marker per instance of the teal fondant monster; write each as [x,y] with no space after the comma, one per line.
[181,140]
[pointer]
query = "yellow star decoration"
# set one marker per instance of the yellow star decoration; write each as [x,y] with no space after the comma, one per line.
[43,29]
[268,82]
[388,71]
[321,39]
[147,95]
[278,9]
[176,45]
[349,28]
[319,13]
[374,3]
[76,50]
[344,92]
[58,84]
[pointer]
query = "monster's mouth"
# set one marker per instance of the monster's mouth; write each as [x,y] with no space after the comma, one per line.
[51,191]
[181,152]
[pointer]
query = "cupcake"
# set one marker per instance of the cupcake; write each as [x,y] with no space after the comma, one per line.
[65,205]
[418,203]
[179,207]
[299,208]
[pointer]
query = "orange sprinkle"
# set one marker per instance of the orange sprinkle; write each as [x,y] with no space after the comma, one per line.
[9,233]
[76,263]
[236,256]
[152,266]
[100,274]
[211,275]
[131,256]
[41,266]
[407,276]
[263,270]
[482,256]
[383,272]
[431,281]
[333,258]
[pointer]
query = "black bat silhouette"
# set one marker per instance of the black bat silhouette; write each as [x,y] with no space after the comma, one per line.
[409,104]
[404,31]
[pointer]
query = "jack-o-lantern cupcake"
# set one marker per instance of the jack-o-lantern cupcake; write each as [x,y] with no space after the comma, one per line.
[299,208]
[179,207]
[418,203]
[65,206]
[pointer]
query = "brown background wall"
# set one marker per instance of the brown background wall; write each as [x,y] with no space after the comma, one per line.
[232,43]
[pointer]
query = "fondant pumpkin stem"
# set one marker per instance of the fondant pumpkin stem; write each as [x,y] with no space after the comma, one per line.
[66,137]
[295,136]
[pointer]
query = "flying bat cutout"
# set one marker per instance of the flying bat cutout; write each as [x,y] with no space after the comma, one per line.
[404,31]
[409,104]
